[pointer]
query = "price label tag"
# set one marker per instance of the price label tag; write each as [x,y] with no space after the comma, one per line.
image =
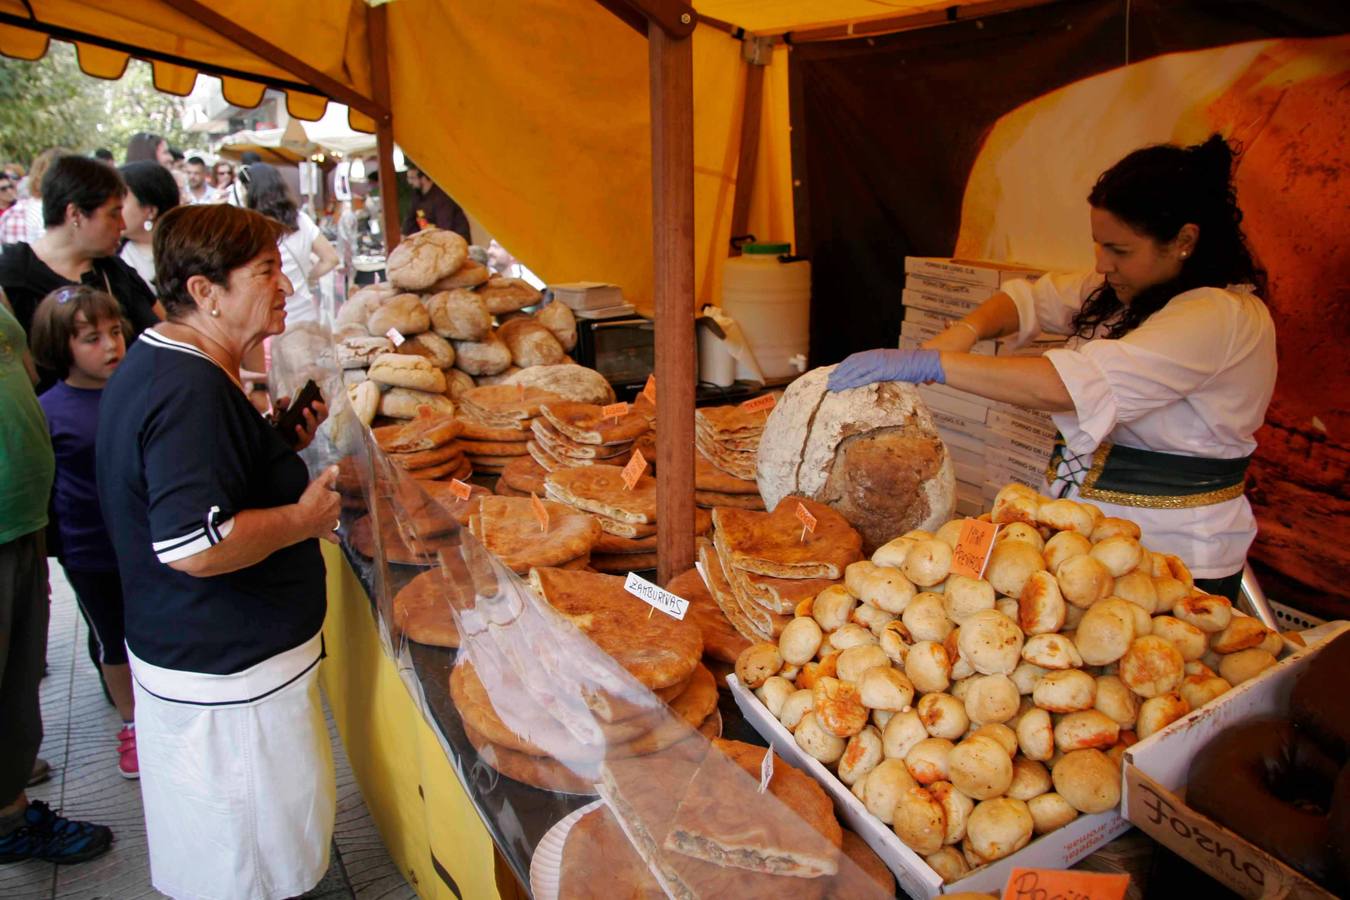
[766,402]
[766,771]
[649,390]
[632,473]
[460,489]
[656,597]
[615,411]
[1049,884]
[395,336]
[972,548]
[540,511]
[808,521]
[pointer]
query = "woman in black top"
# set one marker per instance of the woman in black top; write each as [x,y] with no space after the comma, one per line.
[82,208]
[216,528]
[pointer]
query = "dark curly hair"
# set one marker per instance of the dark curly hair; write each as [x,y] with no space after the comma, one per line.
[1156,190]
[270,195]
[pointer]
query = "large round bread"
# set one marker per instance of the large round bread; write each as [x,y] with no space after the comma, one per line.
[460,315]
[872,453]
[422,610]
[569,381]
[525,475]
[404,312]
[531,343]
[601,490]
[558,318]
[510,530]
[488,356]
[422,259]
[598,858]
[504,295]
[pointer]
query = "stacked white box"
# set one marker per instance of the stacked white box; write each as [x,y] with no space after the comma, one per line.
[990,443]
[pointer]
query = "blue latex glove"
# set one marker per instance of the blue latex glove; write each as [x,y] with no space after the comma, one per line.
[913,366]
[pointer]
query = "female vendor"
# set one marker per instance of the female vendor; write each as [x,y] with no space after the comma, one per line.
[1159,399]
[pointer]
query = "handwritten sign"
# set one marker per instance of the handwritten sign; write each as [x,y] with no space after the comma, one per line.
[808,521]
[615,411]
[766,402]
[460,489]
[1064,884]
[649,390]
[971,554]
[632,473]
[540,511]
[766,771]
[395,336]
[656,597]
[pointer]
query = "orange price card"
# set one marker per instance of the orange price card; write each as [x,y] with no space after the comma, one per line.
[649,390]
[766,402]
[540,511]
[614,411]
[972,548]
[460,489]
[1064,884]
[808,521]
[632,472]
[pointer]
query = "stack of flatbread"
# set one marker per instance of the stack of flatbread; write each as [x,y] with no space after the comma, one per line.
[508,527]
[427,446]
[521,477]
[660,652]
[702,828]
[728,443]
[722,643]
[760,565]
[570,435]
[495,424]
[627,518]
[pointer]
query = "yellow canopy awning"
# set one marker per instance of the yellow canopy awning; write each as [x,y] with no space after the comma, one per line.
[533,114]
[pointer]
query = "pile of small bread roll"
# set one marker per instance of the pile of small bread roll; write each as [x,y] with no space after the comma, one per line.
[458,326]
[970,714]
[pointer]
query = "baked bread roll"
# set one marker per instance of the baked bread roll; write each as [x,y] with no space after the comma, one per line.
[956,808]
[1116,700]
[1011,564]
[948,862]
[927,760]
[991,699]
[1065,691]
[1021,531]
[459,314]
[558,318]
[403,403]
[928,666]
[963,597]
[1065,515]
[403,312]
[1083,580]
[943,715]
[1030,779]
[1156,713]
[1210,613]
[756,663]
[1064,545]
[363,302]
[1244,664]
[471,274]
[430,346]
[824,745]
[884,786]
[1051,651]
[883,688]
[980,768]
[1087,780]
[365,400]
[489,356]
[416,372]
[999,827]
[900,733]
[797,704]
[1040,606]
[862,754]
[504,295]
[422,259]
[991,641]
[1152,666]
[919,821]
[531,344]
[1050,811]
[928,562]
[1105,632]
[1085,730]
[358,352]
[1015,503]
[457,381]
[1036,734]
[1120,554]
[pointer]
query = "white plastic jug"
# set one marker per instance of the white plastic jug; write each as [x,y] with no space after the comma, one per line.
[771,300]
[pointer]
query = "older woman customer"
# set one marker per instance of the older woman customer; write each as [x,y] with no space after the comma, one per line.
[216,526]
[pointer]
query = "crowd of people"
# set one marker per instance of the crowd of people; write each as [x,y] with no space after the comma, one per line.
[182,517]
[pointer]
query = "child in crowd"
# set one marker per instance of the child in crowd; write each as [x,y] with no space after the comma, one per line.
[80,332]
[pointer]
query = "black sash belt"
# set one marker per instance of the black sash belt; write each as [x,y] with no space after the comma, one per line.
[1128,476]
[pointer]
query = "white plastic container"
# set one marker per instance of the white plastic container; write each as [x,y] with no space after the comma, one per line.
[771,300]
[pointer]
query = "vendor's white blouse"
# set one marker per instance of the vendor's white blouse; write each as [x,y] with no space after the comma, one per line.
[1195,379]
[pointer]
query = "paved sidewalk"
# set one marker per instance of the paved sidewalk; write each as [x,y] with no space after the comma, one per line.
[81,744]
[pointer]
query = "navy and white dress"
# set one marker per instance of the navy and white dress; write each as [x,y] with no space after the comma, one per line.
[233,750]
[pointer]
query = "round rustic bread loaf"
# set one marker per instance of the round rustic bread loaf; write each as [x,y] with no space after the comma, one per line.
[459,314]
[423,259]
[872,453]
[531,343]
[490,356]
[569,381]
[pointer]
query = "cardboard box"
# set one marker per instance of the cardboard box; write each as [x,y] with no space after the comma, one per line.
[956,404]
[1057,850]
[946,287]
[939,303]
[1154,782]
[946,421]
[973,271]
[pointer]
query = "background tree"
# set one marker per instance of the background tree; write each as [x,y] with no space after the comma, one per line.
[51,103]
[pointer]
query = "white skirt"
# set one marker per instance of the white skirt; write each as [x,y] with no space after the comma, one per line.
[239,798]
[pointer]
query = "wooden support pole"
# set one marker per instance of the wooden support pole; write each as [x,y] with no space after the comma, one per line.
[377,40]
[671,63]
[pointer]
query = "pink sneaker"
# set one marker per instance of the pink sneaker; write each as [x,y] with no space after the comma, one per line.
[127,764]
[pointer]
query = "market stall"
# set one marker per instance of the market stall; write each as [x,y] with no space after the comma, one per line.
[433,626]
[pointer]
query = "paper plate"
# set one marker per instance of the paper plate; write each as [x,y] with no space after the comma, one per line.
[546,864]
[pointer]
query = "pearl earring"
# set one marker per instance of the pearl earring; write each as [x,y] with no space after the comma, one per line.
[148,225]
[215,312]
